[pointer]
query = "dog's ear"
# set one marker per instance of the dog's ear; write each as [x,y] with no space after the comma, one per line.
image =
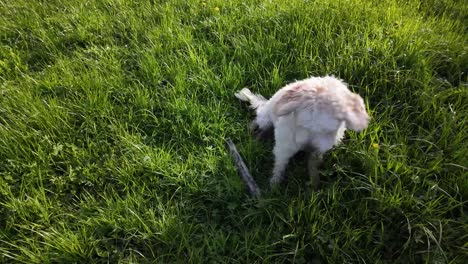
[355,115]
[291,100]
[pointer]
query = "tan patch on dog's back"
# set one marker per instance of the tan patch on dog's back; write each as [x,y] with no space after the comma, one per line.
[292,95]
[319,89]
[296,95]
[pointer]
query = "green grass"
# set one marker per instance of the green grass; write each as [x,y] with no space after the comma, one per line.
[113,117]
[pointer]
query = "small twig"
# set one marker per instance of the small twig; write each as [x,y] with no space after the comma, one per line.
[243,170]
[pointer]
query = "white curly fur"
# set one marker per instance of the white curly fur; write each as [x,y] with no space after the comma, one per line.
[308,114]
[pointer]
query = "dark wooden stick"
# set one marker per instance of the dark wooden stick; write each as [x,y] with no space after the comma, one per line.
[243,170]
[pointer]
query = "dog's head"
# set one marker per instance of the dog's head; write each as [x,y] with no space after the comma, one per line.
[355,114]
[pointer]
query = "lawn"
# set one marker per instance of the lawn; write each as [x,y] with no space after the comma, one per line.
[114,116]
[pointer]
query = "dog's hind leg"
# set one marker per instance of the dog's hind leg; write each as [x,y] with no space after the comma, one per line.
[285,148]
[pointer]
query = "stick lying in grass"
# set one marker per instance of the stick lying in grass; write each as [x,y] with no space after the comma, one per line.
[243,170]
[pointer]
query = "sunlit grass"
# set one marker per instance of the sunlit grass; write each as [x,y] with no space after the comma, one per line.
[114,114]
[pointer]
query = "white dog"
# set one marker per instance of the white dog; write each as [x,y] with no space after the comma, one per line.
[310,115]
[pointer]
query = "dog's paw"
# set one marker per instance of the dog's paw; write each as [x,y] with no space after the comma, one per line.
[261,134]
[275,182]
[254,127]
[256,130]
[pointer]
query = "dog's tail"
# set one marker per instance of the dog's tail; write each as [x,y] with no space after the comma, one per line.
[262,121]
[256,100]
